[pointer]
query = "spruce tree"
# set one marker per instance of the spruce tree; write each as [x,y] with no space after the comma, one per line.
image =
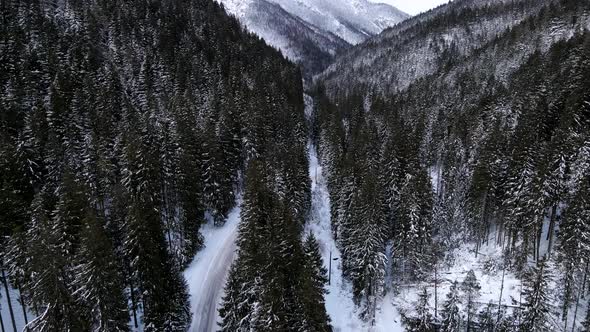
[364,245]
[98,283]
[162,287]
[470,287]
[537,300]
[451,316]
[241,308]
[415,223]
[50,285]
[315,279]
[236,301]
[488,318]
[423,321]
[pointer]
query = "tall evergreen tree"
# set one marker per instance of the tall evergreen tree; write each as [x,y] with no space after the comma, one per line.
[470,287]
[537,299]
[451,316]
[316,279]
[423,322]
[98,283]
[51,279]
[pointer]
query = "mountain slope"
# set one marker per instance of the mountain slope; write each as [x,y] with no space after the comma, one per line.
[351,20]
[425,44]
[311,32]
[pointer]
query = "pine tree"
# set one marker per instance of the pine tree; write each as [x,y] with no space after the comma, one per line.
[470,287]
[217,186]
[98,283]
[488,318]
[415,223]
[50,285]
[537,300]
[451,316]
[236,301]
[241,306]
[315,277]
[423,322]
[162,287]
[574,248]
[364,245]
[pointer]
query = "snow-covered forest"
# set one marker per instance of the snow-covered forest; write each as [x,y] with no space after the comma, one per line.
[162,168]
[456,150]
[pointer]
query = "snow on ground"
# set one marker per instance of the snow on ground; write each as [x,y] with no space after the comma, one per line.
[464,261]
[387,317]
[16,308]
[207,273]
[339,304]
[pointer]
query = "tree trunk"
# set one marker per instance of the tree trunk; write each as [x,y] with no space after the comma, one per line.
[2,322]
[515,239]
[501,291]
[499,233]
[23,305]
[435,293]
[538,238]
[584,282]
[551,229]
[469,314]
[576,312]
[132,297]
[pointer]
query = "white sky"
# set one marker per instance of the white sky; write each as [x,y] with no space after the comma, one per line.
[413,7]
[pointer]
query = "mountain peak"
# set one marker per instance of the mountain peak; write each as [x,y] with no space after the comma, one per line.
[352,20]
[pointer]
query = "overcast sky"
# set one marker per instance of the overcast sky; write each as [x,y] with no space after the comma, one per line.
[413,7]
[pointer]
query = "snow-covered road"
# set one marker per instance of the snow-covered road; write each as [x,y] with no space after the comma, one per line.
[207,273]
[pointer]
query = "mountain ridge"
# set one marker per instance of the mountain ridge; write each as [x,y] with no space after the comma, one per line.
[312,32]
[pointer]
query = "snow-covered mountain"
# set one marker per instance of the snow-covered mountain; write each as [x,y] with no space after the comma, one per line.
[459,32]
[311,32]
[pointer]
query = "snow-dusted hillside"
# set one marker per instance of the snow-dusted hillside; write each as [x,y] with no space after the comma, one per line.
[311,32]
[460,32]
[351,20]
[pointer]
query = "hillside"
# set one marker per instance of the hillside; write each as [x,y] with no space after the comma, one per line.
[455,33]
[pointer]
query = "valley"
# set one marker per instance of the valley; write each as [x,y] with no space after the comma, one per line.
[282,165]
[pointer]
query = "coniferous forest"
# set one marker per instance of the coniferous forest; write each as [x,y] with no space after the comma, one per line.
[121,124]
[435,177]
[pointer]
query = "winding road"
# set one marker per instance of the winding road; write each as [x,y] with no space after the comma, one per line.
[207,274]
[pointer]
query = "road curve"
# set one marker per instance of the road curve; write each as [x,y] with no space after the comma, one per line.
[205,319]
[207,274]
